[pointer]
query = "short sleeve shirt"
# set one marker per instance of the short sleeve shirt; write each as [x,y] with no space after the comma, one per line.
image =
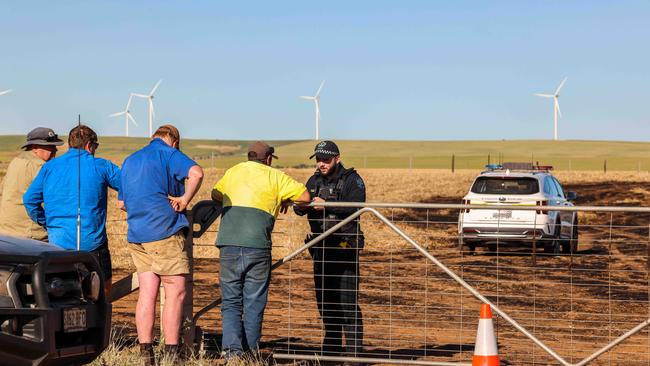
[252,197]
[148,176]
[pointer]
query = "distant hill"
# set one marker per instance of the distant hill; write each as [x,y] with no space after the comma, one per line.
[564,155]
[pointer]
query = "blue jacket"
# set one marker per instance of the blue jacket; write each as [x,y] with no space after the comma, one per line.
[52,198]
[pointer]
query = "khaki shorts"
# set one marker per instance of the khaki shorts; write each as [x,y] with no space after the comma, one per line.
[166,257]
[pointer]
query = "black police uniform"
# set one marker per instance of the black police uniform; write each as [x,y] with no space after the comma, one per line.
[336,259]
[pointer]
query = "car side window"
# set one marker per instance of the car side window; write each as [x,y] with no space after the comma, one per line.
[560,191]
[549,187]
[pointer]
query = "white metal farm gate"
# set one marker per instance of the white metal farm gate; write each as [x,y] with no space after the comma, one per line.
[420,290]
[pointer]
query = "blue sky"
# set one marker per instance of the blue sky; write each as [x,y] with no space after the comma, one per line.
[423,70]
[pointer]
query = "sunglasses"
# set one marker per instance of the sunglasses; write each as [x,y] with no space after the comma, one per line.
[324,160]
[52,138]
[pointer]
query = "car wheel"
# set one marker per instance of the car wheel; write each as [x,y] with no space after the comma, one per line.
[553,244]
[570,246]
[471,246]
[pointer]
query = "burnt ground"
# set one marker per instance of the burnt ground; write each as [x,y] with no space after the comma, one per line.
[413,310]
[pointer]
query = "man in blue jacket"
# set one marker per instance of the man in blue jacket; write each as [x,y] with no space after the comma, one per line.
[53,198]
[158,182]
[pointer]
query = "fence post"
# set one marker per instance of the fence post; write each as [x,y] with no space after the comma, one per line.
[410,162]
[488,158]
[212,159]
[453,163]
[605,166]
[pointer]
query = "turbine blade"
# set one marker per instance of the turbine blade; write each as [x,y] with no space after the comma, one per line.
[557,91]
[131,118]
[155,87]
[117,114]
[128,104]
[544,95]
[305,97]
[140,95]
[319,88]
[557,106]
[5,92]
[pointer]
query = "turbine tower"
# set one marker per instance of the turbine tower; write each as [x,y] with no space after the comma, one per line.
[127,115]
[5,92]
[316,99]
[556,106]
[149,97]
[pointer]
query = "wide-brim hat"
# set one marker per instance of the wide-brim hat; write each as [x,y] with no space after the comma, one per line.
[42,136]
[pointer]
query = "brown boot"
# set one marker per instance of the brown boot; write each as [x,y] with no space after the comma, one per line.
[171,354]
[147,354]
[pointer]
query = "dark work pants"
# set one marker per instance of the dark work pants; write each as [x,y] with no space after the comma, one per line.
[336,280]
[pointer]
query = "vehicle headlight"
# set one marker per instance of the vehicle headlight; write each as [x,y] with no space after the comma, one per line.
[56,287]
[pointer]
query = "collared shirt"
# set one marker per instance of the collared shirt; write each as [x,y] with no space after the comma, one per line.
[13,217]
[149,175]
[53,198]
[252,196]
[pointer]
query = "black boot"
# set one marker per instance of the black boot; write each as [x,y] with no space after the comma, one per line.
[171,354]
[147,354]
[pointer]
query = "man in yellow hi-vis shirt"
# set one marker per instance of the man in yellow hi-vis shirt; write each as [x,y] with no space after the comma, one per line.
[253,193]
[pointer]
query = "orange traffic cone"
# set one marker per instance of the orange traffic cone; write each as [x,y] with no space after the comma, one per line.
[485,349]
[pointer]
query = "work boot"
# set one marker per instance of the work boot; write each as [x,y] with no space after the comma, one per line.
[171,355]
[147,354]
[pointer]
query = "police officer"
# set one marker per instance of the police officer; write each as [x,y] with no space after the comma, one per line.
[336,258]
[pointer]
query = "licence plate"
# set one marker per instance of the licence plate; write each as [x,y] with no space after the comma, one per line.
[505,214]
[74,320]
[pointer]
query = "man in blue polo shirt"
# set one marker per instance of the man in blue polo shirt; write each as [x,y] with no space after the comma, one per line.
[55,194]
[154,196]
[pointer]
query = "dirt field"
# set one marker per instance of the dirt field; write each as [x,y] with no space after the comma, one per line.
[413,310]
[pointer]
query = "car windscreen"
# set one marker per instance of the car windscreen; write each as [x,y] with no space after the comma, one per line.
[505,185]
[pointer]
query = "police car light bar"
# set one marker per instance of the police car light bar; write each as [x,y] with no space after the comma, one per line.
[492,167]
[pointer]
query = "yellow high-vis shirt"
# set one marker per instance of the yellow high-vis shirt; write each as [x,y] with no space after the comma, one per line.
[252,197]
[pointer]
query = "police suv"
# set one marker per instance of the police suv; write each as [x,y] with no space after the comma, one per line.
[518,184]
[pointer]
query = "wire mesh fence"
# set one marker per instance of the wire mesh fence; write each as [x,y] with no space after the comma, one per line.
[411,310]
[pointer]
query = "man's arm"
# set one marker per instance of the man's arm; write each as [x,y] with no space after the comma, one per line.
[113,176]
[193,183]
[302,200]
[301,208]
[33,200]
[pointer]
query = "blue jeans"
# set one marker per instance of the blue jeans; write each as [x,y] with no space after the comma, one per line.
[244,275]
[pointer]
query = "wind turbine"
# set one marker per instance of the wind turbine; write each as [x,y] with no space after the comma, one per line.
[127,115]
[556,106]
[316,99]
[5,92]
[149,97]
